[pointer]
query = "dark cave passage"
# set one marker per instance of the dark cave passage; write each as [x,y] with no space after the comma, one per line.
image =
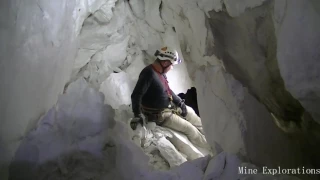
[190,98]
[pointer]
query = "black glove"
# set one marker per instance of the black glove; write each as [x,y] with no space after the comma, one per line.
[183,107]
[135,121]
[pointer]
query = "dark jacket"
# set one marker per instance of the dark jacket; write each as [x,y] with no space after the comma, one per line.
[151,92]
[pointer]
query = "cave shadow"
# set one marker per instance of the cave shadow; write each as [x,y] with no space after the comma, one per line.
[190,98]
[77,165]
[22,170]
[50,142]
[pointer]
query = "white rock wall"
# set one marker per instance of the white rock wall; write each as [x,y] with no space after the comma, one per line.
[235,122]
[219,98]
[134,30]
[298,51]
[236,8]
[37,54]
[38,49]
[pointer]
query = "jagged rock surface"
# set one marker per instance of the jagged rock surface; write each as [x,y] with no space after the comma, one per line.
[258,51]
[253,45]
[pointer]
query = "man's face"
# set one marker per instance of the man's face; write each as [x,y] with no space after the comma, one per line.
[167,64]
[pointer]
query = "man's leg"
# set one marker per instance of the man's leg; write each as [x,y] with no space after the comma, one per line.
[177,123]
[194,119]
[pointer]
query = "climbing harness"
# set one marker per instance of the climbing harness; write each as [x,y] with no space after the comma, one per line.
[155,114]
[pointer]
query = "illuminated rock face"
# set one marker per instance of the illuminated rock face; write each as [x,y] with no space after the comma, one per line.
[245,61]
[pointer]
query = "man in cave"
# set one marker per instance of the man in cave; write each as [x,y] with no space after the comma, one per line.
[153,98]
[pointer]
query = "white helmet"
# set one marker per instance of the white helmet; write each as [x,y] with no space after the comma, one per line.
[167,53]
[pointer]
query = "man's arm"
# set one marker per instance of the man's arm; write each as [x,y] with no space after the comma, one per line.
[176,99]
[144,81]
[180,103]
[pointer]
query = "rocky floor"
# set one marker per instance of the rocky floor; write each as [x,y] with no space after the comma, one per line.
[81,138]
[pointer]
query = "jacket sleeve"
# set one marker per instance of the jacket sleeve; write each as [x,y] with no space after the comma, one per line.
[144,81]
[176,99]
